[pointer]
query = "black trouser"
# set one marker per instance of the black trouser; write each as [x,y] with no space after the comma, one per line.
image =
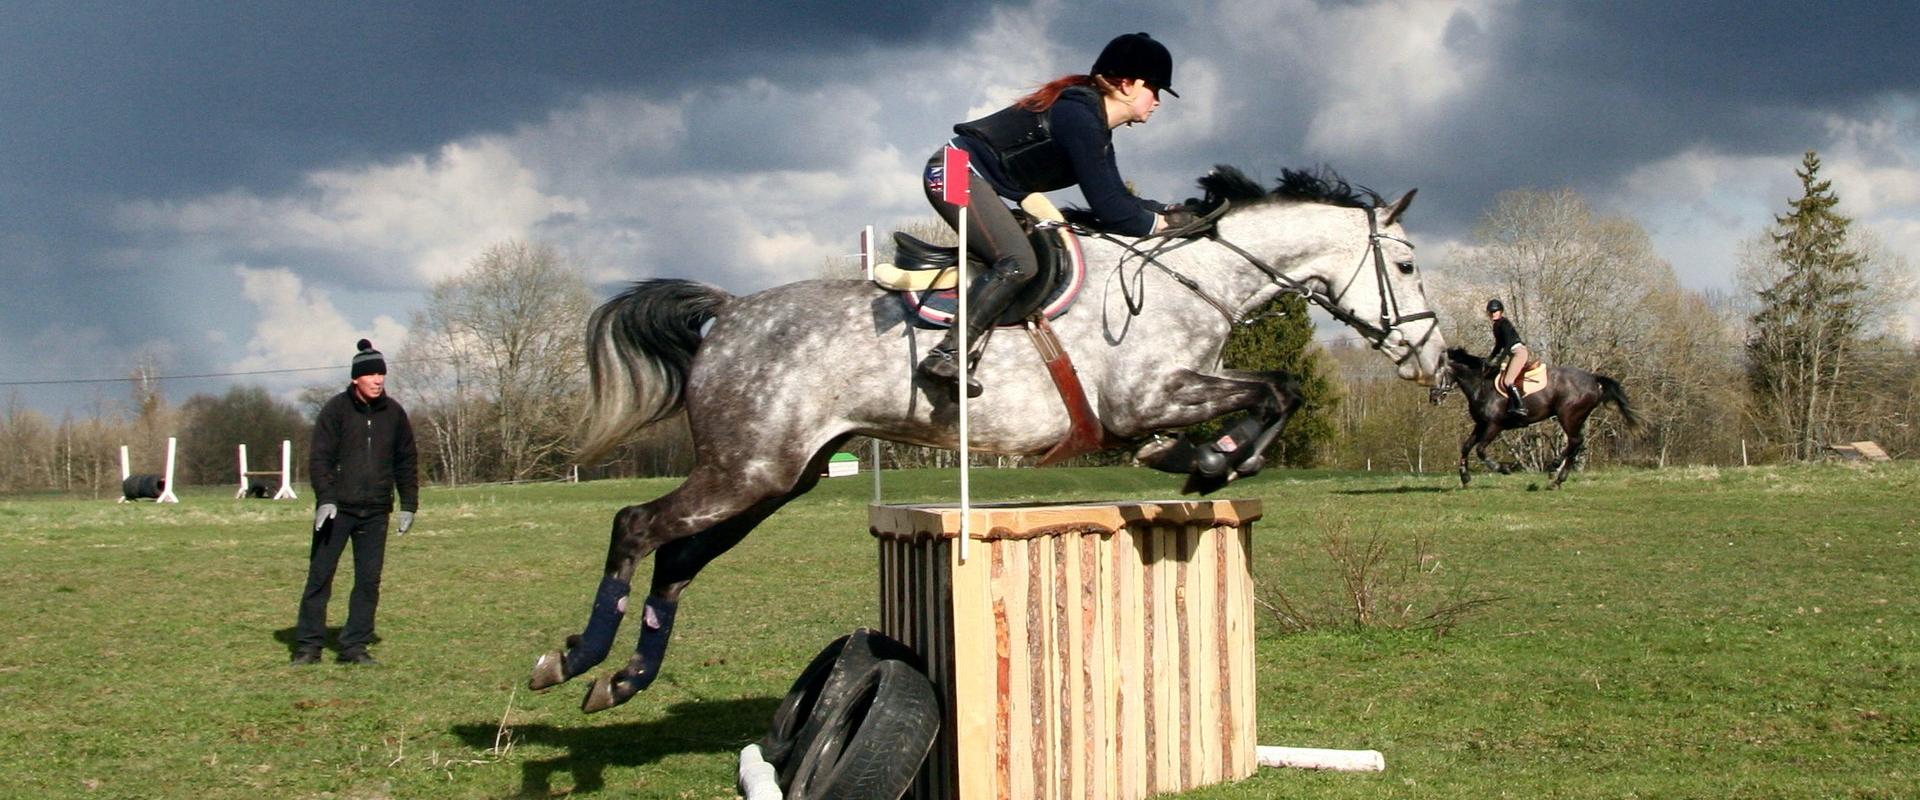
[369,535]
[996,237]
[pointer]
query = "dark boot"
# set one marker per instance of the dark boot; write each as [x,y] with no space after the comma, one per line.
[942,365]
[986,301]
[1516,407]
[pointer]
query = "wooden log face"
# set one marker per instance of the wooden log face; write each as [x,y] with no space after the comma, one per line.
[1082,651]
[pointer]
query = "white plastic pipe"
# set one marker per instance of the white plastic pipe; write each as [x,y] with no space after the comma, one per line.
[1317,758]
[757,778]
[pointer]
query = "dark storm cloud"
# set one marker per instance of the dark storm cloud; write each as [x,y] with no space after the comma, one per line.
[159,99]
[1576,94]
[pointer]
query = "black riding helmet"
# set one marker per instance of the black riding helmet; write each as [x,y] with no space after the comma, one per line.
[1494,305]
[1137,55]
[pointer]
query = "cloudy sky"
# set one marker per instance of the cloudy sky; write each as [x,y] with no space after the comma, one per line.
[249,187]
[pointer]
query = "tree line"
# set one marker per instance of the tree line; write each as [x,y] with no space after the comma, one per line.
[1808,352]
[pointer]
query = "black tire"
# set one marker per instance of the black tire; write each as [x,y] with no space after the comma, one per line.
[872,745]
[822,686]
[142,487]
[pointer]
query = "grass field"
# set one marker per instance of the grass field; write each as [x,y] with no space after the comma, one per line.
[1705,633]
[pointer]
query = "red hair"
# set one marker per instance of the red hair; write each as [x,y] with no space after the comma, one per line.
[1044,97]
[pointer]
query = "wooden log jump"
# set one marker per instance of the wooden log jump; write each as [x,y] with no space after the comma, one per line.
[1081,651]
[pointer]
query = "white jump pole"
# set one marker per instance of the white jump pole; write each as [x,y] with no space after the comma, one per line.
[286,472]
[1320,758]
[242,492]
[126,471]
[866,259]
[955,174]
[166,494]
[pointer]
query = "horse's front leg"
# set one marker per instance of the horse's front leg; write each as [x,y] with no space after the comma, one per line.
[1466,446]
[1187,397]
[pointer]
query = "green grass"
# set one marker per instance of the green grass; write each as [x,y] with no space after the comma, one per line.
[1685,633]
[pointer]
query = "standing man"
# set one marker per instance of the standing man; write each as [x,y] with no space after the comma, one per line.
[362,452]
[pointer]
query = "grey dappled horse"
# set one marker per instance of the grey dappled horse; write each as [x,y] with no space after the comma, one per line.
[1570,396]
[784,376]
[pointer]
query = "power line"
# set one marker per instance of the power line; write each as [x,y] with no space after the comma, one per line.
[199,375]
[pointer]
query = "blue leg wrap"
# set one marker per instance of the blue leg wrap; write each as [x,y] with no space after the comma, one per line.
[655,630]
[597,641]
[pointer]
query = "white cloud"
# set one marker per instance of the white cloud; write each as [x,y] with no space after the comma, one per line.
[297,326]
[425,216]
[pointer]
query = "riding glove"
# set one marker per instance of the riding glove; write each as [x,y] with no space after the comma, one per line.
[322,514]
[406,521]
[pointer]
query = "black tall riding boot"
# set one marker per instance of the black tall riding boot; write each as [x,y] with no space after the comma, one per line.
[1516,406]
[986,301]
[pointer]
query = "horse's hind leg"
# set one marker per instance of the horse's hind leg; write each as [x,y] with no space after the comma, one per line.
[708,496]
[1574,423]
[674,566]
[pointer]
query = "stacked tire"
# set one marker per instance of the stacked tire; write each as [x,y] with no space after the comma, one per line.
[856,725]
[142,487]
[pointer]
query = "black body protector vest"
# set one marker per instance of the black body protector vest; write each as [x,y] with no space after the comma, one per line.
[1023,142]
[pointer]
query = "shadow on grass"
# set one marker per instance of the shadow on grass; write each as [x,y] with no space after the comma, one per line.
[690,727]
[289,636]
[1398,490]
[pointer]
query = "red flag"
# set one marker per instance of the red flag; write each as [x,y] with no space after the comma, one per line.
[954,171]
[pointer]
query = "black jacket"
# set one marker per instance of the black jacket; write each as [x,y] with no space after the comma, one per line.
[1505,336]
[361,453]
[1021,152]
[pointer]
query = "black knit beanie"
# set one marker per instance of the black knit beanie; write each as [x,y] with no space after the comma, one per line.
[368,361]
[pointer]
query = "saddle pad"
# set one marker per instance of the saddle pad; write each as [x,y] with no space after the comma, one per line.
[1533,379]
[936,308]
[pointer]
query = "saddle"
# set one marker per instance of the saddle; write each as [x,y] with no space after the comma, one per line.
[926,277]
[1533,378]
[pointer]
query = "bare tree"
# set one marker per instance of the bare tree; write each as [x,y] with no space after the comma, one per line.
[499,361]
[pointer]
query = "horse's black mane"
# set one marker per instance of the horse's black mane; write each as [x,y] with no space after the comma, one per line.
[1322,185]
[1228,184]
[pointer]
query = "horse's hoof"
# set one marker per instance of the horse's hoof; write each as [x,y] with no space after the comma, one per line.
[1250,466]
[600,696]
[548,671]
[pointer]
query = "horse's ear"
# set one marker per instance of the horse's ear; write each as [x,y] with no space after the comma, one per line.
[1397,208]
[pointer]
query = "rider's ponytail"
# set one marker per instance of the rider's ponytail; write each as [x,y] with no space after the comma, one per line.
[1044,97]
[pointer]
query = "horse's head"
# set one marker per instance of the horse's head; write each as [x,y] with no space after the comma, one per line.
[1346,244]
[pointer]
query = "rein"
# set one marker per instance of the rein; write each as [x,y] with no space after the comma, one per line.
[1205,228]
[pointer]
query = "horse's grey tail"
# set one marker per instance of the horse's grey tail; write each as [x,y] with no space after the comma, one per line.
[640,345]
[1610,389]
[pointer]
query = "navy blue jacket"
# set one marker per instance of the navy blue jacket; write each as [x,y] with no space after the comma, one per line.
[1078,122]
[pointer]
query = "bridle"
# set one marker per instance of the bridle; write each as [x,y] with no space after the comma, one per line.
[1387,331]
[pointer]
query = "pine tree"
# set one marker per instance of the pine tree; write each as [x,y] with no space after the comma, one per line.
[1802,346]
[1283,341]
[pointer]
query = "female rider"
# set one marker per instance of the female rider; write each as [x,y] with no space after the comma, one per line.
[1058,136]
[1506,342]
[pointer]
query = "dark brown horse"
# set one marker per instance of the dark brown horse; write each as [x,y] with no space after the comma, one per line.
[1571,396]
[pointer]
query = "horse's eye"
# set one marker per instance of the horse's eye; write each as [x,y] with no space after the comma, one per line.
[1406,267]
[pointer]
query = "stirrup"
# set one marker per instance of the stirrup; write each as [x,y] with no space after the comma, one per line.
[942,367]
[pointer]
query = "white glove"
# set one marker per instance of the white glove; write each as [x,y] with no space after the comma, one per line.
[406,521]
[322,514]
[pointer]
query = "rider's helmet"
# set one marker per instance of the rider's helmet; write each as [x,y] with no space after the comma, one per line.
[1494,305]
[1137,55]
